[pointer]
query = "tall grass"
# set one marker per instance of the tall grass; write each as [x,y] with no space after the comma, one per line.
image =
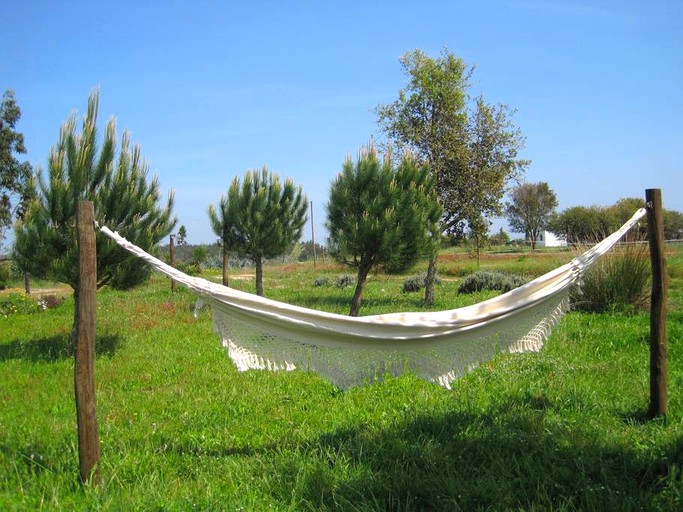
[619,281]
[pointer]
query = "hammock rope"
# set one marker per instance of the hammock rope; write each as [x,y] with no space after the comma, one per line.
[260,333]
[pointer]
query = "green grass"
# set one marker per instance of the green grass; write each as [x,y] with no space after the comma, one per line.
[181,429]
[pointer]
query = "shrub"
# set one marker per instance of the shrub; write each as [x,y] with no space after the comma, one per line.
[490,280]
[16,302]
[50,301]
[346,280]
[619,281]
[188,268]
[5,274]
[322,281]
[417,282]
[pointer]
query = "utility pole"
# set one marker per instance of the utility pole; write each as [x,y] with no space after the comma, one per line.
[172,248]
[313,236]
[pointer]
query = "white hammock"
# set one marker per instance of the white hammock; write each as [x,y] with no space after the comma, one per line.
[440,347]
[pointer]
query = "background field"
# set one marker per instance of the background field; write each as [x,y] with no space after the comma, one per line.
[181,429]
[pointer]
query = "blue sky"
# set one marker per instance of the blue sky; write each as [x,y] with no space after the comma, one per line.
[211,89]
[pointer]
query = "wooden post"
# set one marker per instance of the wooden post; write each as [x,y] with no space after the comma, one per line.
[27,283]
[172,248]
[658,342]
[84,372]
[313,236]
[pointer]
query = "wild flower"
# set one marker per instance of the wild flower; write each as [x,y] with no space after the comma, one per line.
[14,301]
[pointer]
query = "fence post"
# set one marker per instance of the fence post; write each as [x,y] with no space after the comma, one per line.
[84,372]
[172,249]
[658,341]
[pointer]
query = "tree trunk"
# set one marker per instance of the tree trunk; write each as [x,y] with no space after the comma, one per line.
[259,276]
[429,281]
[225,265]
[360,286]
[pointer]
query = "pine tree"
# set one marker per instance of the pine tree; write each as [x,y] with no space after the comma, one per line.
[380,214]
[262,217]
[182,235]
[46,239]
[223,225]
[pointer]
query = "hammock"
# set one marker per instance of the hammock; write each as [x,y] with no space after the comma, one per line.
[440,347]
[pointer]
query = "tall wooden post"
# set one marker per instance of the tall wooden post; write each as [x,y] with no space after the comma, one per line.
[172,248]
[84,371]
[313,236]
[658,341]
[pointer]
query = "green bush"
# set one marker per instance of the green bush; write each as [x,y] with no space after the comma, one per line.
[345,280]
[417,282]
[490,280]
[188,268]
[619,281]
[5,275]
[322,281]
[16,302]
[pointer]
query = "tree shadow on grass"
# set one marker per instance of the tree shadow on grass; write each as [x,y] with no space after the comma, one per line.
[507,458]
[54,348]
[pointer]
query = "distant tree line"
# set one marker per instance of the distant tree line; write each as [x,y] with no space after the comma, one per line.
[581,224]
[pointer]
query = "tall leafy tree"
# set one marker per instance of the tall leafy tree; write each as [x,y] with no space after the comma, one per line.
[264,216]
[530,208]
[673,225]
[81,169]
[380,213]
[582,224]
[223,223]
[470,146]
[16,178]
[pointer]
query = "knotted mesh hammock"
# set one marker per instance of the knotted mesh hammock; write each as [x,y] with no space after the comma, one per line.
[440,347]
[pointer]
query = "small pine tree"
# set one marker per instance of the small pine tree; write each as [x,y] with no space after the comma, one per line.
[223,225]
[182,235]
[262,217]
[46,239]
[381,214]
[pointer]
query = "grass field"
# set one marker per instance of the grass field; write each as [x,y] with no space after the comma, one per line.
[181,429]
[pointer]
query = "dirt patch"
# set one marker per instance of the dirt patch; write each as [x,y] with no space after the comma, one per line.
[58,292]
[41,292]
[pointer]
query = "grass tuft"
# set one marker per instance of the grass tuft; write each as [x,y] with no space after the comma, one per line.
[619,281]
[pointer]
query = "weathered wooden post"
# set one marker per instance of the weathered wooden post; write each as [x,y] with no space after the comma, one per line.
[27,283]
[84,371]
[172,249]
[658,341]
